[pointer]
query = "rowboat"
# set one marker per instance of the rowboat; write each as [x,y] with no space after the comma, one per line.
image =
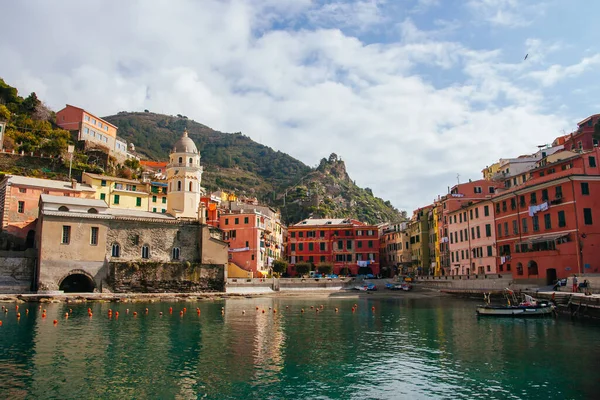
[528,307]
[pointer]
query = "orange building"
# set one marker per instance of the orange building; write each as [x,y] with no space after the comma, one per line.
[254,234]
[546,228]
[19,200]
[91,129]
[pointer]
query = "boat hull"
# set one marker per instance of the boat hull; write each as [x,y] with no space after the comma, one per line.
[515,311]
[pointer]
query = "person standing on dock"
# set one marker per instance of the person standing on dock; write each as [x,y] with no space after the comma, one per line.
[575,288]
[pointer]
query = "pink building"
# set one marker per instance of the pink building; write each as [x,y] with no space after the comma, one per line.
[472,239]
[19,200]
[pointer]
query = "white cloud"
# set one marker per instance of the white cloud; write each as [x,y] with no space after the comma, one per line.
[359,14]
[308,92]
[556,73]
[507,13]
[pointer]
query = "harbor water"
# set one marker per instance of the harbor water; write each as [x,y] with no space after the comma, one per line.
[402,349]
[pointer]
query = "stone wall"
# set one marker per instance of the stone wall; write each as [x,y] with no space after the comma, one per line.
[160,237]
[16,271]
[166,277]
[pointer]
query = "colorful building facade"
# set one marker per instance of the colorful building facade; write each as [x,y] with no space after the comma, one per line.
[19,197]
[549,228]
[349,245]
[472,239]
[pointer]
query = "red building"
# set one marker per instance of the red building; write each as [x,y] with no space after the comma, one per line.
[345,243]
[546,228]
[583,137]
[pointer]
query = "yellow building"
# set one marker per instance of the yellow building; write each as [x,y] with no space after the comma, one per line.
[489,172]
[120,193]
[436,229]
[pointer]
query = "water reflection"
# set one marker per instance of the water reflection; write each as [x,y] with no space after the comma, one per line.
[404,349]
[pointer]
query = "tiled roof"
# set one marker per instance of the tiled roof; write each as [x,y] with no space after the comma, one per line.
[73,201]
[48,183]
[112,178]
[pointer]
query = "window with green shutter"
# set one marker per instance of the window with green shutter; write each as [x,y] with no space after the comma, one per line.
[116,200]
[164,200]
[154,199]
[138,202]
[102,196]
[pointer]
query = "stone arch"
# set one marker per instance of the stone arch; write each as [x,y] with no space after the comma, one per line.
[92,211]
[63,208]
[77,281]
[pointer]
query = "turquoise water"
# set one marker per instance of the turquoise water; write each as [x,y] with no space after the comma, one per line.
[405,349]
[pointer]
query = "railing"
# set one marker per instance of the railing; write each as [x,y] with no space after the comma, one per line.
[187,165]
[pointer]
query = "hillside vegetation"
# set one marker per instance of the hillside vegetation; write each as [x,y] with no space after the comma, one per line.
[234,162]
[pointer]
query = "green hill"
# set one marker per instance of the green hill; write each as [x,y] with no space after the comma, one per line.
[233,161]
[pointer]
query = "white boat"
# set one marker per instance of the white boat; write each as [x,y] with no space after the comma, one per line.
[529,307]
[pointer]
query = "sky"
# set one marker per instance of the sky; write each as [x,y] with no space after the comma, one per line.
[414,95]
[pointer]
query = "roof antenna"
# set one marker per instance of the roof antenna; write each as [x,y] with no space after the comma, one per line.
[458,179]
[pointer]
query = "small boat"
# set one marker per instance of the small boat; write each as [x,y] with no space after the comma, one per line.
[398,286]
[367,287]
[529,307]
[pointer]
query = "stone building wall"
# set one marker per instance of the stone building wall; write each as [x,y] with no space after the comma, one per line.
[160,237]
[165,277]
[16,271]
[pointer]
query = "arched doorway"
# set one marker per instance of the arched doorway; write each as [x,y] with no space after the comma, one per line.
[532,268]
[77,283]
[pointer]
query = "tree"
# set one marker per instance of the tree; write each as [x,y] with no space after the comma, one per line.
[29,105]
[303,268]
[333,157]
[280,266]
[4,113]
[325,268]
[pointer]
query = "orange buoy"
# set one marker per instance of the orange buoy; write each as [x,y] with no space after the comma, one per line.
[286,307]
[90,315]
[70,311]
[317,310]
[373,308]
[43,315]
[66,315]
[44,310]
[336,309]
[170,310]
[89,310]
[184,309]
[181,313]
[311,307]
[302,310]
[117,314]
[274,311]
[55,322]
[27,311]
[322,306]
[263,311]
[353,309]
[0,323]
[17,307]
[256,308]
[18,315]
[160,313]
[135,313]
[198,311]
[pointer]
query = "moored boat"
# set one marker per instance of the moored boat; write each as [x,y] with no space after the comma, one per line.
[529,307]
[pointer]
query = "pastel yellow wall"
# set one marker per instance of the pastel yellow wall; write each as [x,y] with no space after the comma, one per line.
[127,198]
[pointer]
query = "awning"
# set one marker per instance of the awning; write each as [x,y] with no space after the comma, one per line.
[544,238]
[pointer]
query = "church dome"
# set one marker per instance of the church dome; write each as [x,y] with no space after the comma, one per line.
[185,145]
